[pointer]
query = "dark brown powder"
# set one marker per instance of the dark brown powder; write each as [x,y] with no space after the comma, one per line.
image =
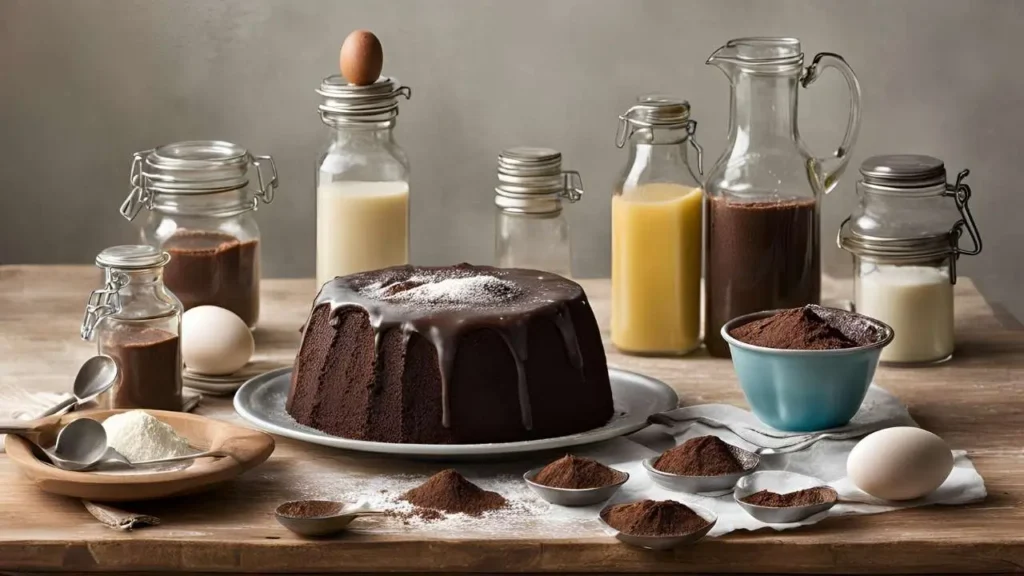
[309,509]
[216,269]
[577,474]
[794,329]
[701,456]
[808,497]
[448,491]
[654,518]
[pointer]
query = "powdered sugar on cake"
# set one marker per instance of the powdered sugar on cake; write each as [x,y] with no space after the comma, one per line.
[446,291]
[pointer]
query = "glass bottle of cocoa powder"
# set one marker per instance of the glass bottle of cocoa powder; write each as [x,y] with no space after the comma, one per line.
[136,321]
[201,200]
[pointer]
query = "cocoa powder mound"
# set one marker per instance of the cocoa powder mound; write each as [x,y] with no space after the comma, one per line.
[577,474]
[654,518]
[795,329]
[310,509]
[448,491]
[701,456]
[807,497]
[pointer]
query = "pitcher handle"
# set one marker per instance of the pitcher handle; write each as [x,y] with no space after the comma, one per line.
[829,169]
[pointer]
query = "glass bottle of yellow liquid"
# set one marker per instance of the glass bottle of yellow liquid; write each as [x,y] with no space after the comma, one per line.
[656,232]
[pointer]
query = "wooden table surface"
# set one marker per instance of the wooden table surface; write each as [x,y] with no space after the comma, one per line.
[975,402]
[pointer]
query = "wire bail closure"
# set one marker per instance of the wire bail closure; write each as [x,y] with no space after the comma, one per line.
[103,303]
[167,179]
[629,125]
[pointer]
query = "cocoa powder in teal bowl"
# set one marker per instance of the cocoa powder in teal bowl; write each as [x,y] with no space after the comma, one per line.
[805,369]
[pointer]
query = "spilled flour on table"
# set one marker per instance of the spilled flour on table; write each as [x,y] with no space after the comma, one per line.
[526,513]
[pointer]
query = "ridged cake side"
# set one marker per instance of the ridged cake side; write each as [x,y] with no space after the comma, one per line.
[458,354]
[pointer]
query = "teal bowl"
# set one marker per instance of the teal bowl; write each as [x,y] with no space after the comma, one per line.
[805,390]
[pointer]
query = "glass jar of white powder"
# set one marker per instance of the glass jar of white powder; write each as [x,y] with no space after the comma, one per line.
[905,237]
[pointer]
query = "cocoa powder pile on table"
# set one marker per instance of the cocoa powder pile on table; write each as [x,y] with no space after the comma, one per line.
[807,497]
[654,518]
[448,491]
[701,456]
[576,474]
[795,329]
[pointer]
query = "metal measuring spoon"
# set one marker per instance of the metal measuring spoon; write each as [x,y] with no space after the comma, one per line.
[321,517]
[95,377]
[81,445]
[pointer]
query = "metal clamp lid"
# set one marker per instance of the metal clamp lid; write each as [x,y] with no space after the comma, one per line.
[195,168]
[114,260]
[902,172]
[531,181]
[664,112]
[921,248]
[346,104]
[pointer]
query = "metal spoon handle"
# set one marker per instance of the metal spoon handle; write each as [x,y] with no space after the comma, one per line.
[60,407]
[185,458]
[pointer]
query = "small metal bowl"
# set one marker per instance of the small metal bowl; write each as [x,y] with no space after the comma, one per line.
[574,497]
[720,484]
[775,480]
[333,521]
[664,542]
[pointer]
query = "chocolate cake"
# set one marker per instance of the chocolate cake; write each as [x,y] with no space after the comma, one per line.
[451,355]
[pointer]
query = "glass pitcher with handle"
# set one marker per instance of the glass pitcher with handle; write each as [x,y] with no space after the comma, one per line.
[762,237]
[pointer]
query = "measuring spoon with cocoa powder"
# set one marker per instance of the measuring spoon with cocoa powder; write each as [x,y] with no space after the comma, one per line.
[784,483]
[320,517]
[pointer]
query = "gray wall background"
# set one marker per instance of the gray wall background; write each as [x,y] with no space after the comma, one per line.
[84,83]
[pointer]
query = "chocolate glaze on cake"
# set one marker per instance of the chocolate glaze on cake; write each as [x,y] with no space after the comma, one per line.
[460,354]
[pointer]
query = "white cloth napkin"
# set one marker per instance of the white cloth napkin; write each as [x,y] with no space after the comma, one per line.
[879,410]
[19,404]
[822,455]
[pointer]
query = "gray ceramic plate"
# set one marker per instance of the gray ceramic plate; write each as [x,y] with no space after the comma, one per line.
[261,402]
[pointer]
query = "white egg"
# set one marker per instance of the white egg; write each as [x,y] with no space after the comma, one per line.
[215,341]
[900,463]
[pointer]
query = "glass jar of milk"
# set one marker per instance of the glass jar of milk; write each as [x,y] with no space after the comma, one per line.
[905,237]
[656,232]
[362,180]
[530,229]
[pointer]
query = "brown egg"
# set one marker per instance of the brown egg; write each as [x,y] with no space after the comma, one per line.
[362,58]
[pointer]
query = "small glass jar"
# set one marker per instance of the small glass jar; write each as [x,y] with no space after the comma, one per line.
[905,238]
[201,209]
[362,180]
[530,229]
[136,321]
[656,232]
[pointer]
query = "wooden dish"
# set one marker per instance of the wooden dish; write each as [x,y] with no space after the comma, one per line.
[246,449]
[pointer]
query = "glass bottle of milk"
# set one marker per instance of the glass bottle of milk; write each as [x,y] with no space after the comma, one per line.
[362,180]
[530,229]
[905,238]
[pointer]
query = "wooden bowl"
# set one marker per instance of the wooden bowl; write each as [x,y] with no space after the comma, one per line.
[246,449]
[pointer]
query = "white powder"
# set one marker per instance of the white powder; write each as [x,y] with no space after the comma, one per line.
[140,437]
[458,291]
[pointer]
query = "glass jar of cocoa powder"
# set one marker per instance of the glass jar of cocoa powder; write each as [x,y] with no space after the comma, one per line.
[136,321]
[201,196]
